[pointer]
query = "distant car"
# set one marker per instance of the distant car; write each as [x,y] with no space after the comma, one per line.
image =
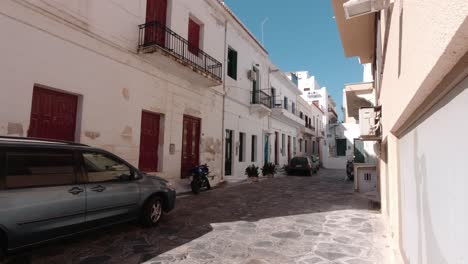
[51,189]
[300,166]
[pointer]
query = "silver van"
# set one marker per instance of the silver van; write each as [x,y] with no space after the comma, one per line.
[53,189]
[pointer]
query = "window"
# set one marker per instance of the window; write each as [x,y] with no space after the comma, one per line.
[273,97]
[193,37]
[285,103]
[306,89]
[34,168]
[293,107]
[305,146]
[254,149]
[306,120]
[283,143]
[241,146]
[232,63]
[301,115]
[300,145]
[102,168]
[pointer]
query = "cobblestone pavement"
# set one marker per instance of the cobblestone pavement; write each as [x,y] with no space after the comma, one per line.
[316,219]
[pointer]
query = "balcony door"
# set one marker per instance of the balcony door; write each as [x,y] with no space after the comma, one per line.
[190,144]
[156,13]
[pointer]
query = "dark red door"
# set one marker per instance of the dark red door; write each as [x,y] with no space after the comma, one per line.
[190,145]
[53,115]
[276,147]
[149,142]
[155,33]
[194,37]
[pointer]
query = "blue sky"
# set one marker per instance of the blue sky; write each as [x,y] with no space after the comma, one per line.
[302,35]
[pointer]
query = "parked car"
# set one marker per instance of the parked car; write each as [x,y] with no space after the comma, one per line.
[53,189]
[315,163]
[300,166]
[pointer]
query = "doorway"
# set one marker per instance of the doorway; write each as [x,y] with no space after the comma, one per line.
[156,13]
[190,144]
[276,147]
[149,142]
[228,153]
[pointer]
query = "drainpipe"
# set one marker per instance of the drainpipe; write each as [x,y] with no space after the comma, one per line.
[223,133]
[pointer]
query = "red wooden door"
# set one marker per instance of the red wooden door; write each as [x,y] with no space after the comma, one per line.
[53,115]
[190,145]
[149,142]
[156,11]
[193,37]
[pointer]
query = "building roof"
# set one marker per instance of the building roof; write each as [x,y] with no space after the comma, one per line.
[357,34]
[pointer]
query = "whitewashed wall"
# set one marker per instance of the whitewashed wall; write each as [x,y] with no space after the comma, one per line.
[95,58]
[433,184]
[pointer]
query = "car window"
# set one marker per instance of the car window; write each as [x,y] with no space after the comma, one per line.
[35,168]
[298,161]
[103,168]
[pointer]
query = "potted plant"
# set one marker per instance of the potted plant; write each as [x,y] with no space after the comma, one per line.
[269,170]
[252,172]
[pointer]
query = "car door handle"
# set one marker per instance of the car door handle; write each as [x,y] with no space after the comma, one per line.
[98,188]
[75,190]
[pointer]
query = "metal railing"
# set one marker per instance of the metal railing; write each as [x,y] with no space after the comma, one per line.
[260,97]
[153,34]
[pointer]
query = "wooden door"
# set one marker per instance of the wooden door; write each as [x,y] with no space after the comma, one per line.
[190,144]
[53,115]
[156,14]
[149,142]
[193,37]
[289,149]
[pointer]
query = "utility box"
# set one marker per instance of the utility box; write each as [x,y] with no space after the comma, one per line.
[365,178]
[367,121]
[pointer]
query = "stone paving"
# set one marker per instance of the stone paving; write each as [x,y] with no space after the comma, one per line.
[302,220]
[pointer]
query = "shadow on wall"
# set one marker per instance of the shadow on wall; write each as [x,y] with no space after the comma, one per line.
[426,235]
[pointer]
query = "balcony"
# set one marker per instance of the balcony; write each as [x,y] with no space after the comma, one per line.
[154,37]
[285,115]
[260,102]
[308,130]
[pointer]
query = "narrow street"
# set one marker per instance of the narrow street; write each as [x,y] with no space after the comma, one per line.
[316,219]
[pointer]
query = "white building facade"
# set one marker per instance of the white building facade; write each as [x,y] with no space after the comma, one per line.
[109,75]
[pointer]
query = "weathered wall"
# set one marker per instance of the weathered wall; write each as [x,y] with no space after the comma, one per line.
[432,184]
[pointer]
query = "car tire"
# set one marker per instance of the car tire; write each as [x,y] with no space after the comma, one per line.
[3,247]
[152,211]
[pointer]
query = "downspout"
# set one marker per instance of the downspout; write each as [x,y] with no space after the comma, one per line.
[223,133]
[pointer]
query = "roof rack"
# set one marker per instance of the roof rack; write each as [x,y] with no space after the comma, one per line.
[45,140]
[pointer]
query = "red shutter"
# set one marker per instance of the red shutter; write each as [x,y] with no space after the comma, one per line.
[193,37]
[156,10]
[53,115]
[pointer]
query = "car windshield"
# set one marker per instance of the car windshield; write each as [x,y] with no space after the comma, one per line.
[299,161]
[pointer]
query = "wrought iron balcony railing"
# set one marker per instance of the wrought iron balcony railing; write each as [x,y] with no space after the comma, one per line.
[260,97]
[153,34]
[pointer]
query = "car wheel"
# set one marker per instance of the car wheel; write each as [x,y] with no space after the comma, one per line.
[152,211]
[3,247]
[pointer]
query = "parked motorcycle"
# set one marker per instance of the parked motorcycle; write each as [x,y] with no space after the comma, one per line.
[350,170]
[200,180]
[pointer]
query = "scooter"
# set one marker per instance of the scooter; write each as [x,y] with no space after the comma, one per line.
[200,180]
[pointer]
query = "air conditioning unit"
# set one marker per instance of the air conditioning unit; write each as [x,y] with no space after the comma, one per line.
[367,121]
[355,8]
[252,75]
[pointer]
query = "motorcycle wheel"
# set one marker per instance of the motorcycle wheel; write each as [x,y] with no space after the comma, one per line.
[195,187]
